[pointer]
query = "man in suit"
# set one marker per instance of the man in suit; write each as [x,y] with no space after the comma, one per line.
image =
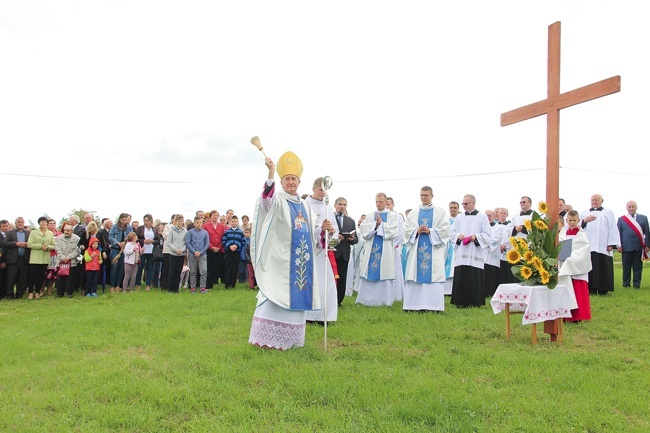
[347,238]
[4,229]
[17,256]
[635,234]
[102,237]
[77,272]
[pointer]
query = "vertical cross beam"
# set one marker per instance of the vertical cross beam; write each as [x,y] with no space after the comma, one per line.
[551,106]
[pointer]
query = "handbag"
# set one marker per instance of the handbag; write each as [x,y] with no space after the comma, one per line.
[157,252]
[64,270]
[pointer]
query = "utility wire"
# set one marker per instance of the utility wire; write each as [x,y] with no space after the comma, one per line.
[455,175]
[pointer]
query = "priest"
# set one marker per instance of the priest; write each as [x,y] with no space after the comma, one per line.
[377,261]
[471,234]
[518,221]
[283,245]
[600,225]
[449,259]
[427,234]
[324,213]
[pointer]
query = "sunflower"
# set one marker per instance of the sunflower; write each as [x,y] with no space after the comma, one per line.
[523,244]
[526,272]
[541,225]
[542,207]
[537,263]
[546,277]
[529,225]
[513,242]
[513,257]
[528,255]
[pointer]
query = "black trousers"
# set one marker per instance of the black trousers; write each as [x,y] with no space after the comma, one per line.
[64,285]
[632,262]
[231,267]
[175,269]
[601,277]
[78,277]
[164,272]
[3,282]
[17,276]
[215,268]
[36,278]
[342,282]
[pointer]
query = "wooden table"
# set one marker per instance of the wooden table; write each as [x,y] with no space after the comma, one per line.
[537,304]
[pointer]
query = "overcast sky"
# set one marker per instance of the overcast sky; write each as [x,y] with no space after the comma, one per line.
[149,106]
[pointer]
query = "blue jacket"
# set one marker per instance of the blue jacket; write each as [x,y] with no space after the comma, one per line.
[629,239]
[197,240]
[233,237]
[115,235]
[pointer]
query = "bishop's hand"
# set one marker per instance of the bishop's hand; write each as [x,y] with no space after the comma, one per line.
[271,166]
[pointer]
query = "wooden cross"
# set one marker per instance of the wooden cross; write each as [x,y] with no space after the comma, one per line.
[551,106]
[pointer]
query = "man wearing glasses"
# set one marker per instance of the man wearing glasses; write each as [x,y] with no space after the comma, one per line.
[519,229]
[470,233]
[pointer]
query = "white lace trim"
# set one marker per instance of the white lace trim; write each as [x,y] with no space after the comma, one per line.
[276,335]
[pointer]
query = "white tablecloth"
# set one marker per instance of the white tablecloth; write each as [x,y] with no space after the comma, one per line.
[538,303]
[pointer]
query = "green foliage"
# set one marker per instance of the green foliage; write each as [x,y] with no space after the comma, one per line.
[535,258]
[80,213]
[154,362]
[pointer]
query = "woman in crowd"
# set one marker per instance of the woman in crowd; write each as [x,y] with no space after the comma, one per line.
[52,267]
[117,238]
[40,242]
[148,238]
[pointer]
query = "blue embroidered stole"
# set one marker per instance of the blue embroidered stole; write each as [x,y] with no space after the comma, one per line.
[374,264]
[301,267]
[425,249]
[450,256]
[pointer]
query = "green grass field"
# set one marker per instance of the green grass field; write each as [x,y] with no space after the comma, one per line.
[155,362]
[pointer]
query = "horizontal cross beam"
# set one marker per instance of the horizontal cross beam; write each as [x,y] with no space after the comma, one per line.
[568,99]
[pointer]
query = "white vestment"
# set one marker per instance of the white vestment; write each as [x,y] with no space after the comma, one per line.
[426,295]
[469,254]
[449,263]
[322,262]
[275,324]
[379,292]
[578,265]
[399,272]
[602,232]
[499,231]
[518,220]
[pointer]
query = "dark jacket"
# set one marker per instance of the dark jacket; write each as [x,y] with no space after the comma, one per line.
[343,248]
[9,248]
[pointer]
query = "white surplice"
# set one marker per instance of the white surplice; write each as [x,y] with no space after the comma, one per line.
[322,211]
[374,293]
[428,295]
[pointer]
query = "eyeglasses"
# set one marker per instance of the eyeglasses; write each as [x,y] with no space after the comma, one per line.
[522,202]
[465,204]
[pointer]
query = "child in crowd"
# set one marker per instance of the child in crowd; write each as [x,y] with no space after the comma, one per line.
[248,261]
[93,259]
[131,261]
[185,275]
[242,274]
[575,269]
[175,242]
[197,241]
[233,243]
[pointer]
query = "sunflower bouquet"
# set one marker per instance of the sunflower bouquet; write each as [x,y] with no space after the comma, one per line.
[534,259]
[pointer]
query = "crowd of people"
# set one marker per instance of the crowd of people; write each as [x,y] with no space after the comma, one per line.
[305,256]
[78,257]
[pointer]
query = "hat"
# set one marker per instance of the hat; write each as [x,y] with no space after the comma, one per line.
[289,163]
